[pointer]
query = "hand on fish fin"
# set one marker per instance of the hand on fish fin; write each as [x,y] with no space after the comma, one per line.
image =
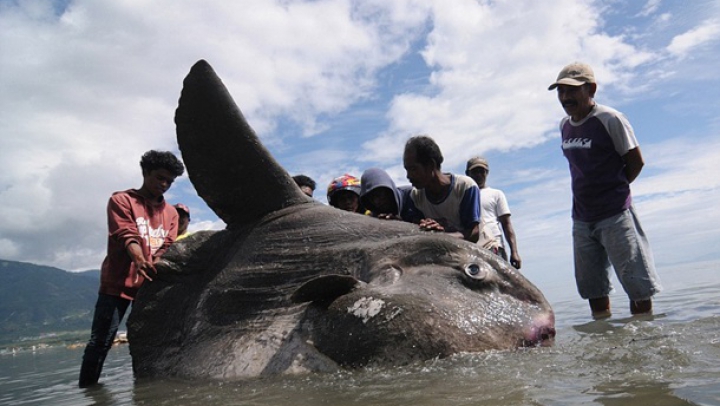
[325,288]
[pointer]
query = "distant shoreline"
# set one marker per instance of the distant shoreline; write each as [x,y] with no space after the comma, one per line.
[67,339]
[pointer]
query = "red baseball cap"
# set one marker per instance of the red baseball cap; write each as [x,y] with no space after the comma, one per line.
[182,207]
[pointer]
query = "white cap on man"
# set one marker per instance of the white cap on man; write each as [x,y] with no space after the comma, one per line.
[575,74]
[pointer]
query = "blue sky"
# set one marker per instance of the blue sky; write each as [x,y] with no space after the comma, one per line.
[331,87]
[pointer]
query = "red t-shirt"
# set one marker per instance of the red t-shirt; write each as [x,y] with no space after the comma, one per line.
[133,218]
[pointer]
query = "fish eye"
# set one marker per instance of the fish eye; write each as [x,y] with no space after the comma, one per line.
[474,271]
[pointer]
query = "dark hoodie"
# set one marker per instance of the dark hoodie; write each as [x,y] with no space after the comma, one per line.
[374,178]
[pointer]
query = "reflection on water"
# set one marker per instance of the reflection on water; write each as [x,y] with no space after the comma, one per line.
[656,393]
[672,358]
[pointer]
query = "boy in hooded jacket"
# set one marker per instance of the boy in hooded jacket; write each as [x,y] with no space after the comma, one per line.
[379,194]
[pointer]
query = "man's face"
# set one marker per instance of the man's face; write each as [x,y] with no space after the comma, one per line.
[576,100]
[183,222]
[418,174]
[346,200]
[307,190]
[382,200]
[479,175]
[157,181]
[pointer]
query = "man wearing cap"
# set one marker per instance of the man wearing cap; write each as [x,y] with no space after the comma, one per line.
[183,221]
[600,146]
[344,193]
[494,210]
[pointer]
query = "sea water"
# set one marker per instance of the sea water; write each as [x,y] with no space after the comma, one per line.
[671,358]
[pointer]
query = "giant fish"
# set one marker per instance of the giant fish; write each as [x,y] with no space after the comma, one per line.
[295,286]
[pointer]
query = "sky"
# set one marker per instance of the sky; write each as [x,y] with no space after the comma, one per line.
[334,87]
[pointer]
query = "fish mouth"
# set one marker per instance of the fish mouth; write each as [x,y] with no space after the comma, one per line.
[541,333]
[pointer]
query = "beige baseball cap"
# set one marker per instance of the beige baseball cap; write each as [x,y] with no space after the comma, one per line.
[575,74]
[477,162]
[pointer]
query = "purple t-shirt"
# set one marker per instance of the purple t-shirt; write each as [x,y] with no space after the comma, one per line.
[594,148]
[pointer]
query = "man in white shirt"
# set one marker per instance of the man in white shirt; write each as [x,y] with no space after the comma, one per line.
[494,210]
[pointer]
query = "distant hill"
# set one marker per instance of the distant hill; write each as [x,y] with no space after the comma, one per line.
[37,300]
[94,273]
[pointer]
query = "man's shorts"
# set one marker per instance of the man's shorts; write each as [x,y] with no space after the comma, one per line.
[620,241]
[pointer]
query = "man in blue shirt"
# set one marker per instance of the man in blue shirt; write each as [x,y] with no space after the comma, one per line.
[446,202]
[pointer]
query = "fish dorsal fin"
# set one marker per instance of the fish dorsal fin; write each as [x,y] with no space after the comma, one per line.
[226,162]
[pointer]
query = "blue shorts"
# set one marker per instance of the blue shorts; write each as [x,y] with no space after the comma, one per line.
[620,241]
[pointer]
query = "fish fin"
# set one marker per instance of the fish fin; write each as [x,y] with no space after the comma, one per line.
[228,165]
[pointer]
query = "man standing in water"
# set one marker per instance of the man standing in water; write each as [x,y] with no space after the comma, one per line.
[141,226]
[604,158]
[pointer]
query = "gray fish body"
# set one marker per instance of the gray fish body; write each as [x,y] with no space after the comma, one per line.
[295,286]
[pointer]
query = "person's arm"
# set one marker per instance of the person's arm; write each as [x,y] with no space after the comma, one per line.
[470,213]
[429,224]
[633,164]
[409,212]
[472,234]
[509,233]
[623,138]
[142,264]
[123,228]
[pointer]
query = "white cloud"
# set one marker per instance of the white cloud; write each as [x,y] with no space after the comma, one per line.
[490,78]
[86,92]
[681,45]
[8,248]
[650,7]
[206,225]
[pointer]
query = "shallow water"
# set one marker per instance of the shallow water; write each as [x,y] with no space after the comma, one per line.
[672,358]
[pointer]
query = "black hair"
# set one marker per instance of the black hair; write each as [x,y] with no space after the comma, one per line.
[426,150]
[153,160]
[304,180]
[182,212]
